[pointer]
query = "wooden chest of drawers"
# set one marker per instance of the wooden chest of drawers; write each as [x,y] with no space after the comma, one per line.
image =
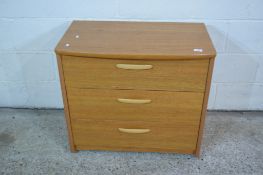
[135,86]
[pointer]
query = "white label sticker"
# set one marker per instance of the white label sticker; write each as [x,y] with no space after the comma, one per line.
[198,50]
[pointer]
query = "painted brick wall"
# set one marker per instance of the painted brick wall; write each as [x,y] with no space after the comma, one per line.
[30,29]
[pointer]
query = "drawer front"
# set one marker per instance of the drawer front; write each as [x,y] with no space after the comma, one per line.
[181,75]
[164,106]
[119,135]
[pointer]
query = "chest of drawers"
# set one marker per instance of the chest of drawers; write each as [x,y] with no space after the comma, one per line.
[135,86]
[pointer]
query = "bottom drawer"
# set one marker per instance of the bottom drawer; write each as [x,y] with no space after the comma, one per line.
[134,136]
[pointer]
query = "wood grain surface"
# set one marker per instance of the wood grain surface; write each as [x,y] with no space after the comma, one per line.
[136,40]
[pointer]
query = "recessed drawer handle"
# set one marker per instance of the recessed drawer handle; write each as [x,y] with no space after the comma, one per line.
[134,131]
[134,101]
[134,66]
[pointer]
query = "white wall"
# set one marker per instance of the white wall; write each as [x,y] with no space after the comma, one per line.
[30,29]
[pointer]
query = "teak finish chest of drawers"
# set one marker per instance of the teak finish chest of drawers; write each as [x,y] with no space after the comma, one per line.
[135,86]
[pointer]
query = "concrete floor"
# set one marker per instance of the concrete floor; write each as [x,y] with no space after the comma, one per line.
[35,142]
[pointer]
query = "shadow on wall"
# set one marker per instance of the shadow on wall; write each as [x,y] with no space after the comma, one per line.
[38,82]
[40,35]
[235,75]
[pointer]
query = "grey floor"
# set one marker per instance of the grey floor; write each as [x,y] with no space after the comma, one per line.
[35,142]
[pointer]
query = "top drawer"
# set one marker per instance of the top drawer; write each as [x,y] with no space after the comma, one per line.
[180,75]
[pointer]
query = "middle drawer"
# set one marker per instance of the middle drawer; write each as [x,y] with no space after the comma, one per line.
[139,105]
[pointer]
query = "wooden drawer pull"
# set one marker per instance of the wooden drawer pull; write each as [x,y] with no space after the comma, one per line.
[134,101]
[134,131]
[134,66]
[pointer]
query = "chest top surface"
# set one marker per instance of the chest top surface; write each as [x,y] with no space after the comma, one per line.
[136,40]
